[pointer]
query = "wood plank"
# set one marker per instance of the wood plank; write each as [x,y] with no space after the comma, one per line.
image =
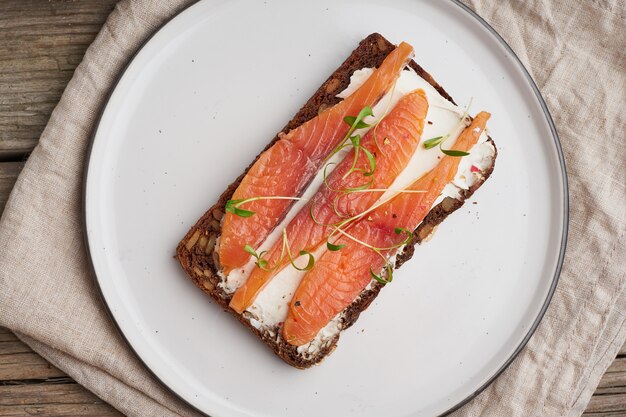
[56,399]
[614,379]
[41,43]
[609,399]
[615,404]
[19,362]
[618,414]
[618,366]
[8,174]
[25,366]
[12,347]
[7,335]
[30,385]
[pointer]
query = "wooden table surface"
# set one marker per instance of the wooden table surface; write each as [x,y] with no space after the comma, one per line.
[41,42]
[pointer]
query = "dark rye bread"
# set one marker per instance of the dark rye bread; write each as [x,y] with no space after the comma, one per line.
[196,250]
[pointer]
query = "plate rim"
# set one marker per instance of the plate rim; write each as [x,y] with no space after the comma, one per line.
[565,197]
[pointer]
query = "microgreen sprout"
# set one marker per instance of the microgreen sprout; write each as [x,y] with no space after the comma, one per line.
[431,143]
[354,123]
[260,262]
[334,248]
[379,278]
[285,250]
[309,264]
[379,251]
[439,140]
[454,152]
[233,206]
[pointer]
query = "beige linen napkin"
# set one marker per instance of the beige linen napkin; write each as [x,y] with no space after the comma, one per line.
[576,52]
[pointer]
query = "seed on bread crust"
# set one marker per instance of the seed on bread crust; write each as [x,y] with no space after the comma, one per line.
[218,214]
[192,241]
[202,242]
[208,284]
[332,85]
[210,245]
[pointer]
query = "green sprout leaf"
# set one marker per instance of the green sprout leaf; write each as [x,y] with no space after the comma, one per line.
[355,123]
[251,251]
[351,121]
[409,235]
[431,143]
[439,140]
[232,206]
[454,152]
[372,160]
[311,262]
[334,248]
[231,203]
[356,143]
[243,213]
[379,278]
[365,111]
[260,262]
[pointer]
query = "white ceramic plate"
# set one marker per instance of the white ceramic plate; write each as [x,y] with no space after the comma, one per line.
[205,95]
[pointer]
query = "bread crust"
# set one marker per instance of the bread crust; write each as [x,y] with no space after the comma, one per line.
[201,263]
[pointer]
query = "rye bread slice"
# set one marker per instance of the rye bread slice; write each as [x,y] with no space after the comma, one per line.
[196,252]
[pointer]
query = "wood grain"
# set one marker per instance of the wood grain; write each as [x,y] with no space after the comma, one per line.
[30,385]
[56,398]
[41,43]
[15,352]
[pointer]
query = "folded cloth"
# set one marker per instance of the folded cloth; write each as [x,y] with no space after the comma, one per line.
[576,52]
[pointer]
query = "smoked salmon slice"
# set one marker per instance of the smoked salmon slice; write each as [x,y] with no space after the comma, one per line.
[339,276]
[287,167]
[392,143]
